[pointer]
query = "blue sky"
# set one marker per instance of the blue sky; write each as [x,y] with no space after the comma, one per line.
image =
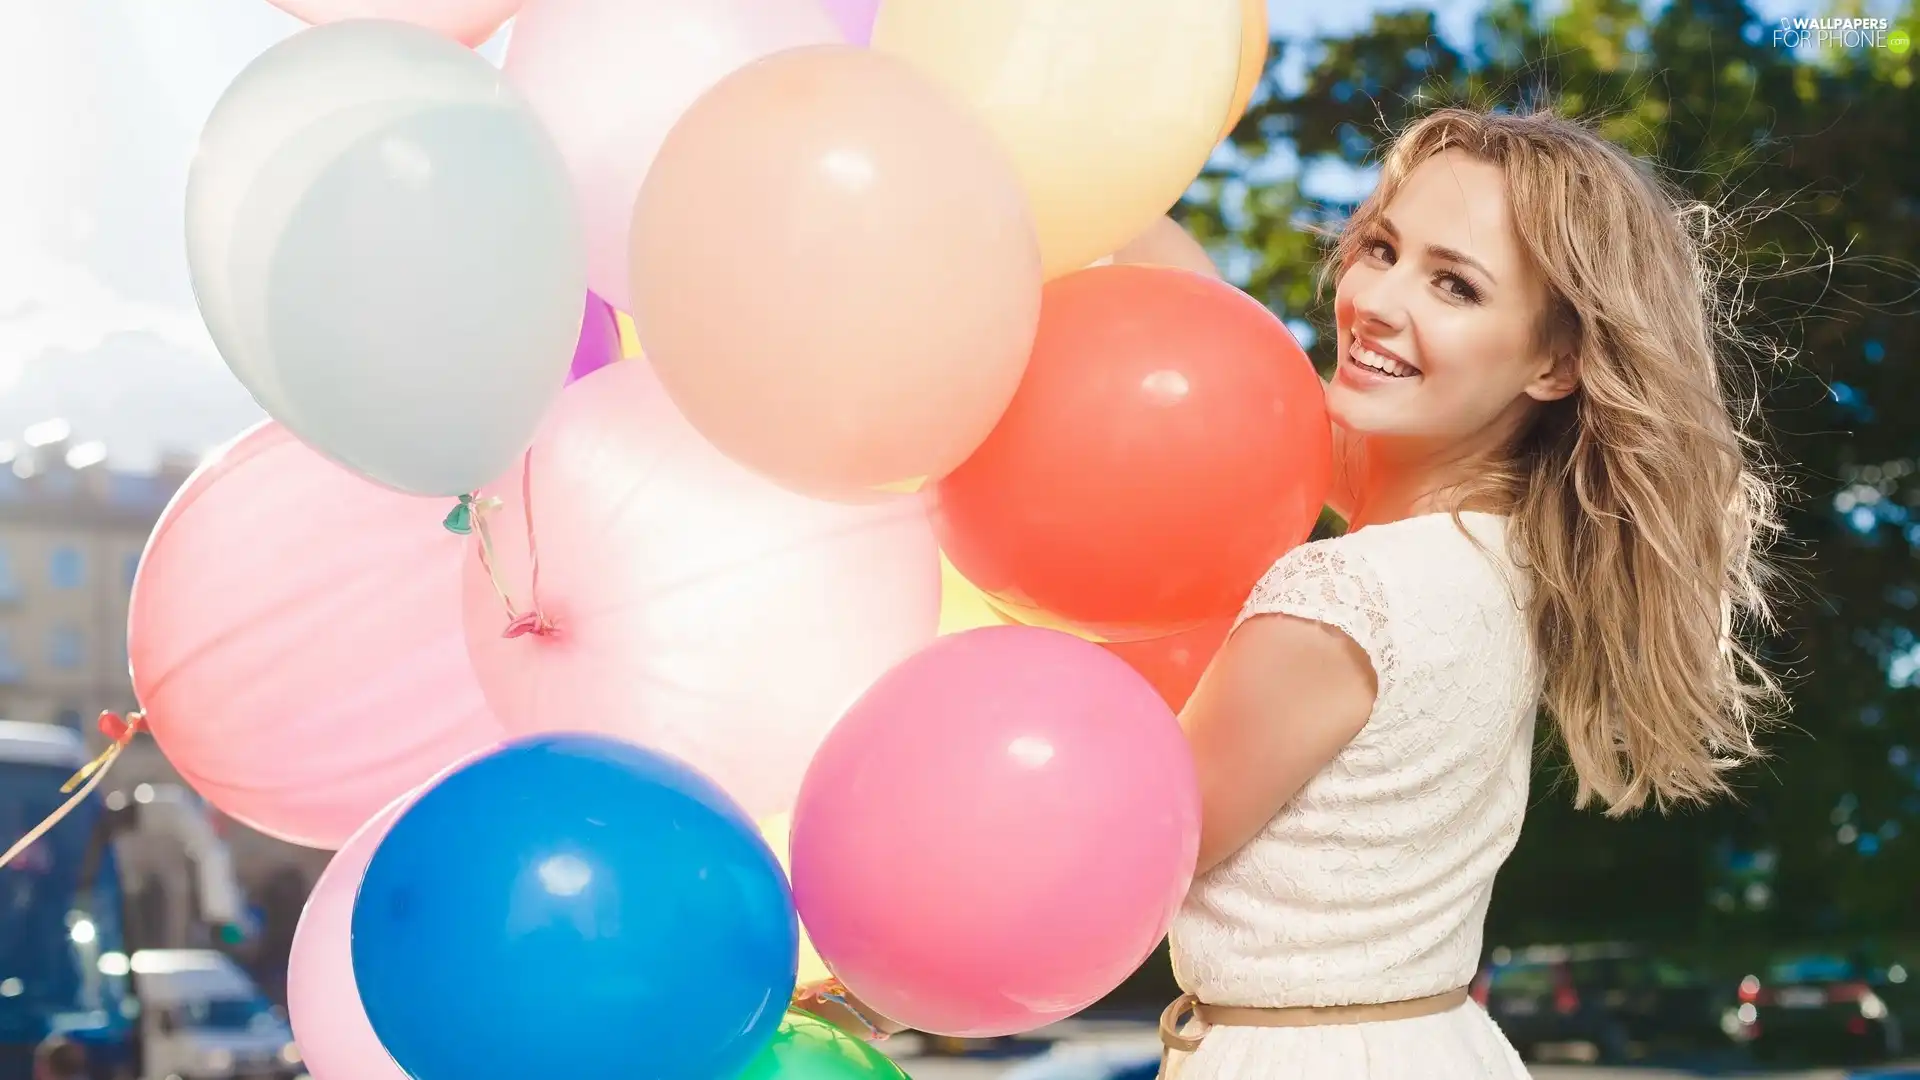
[100,104]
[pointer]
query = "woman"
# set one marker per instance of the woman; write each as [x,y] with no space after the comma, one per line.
[1550,501]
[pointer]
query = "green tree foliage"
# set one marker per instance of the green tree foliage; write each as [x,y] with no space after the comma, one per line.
[1811,161]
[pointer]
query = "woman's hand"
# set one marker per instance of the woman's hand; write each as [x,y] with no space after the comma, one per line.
[833,1003]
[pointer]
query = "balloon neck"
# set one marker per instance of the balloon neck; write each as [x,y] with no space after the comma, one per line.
[459,520]
[533,622]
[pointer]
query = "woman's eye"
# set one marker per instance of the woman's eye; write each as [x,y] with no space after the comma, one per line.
[1380,249]
[1460,287]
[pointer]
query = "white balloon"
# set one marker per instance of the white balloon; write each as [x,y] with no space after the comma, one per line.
[384,245]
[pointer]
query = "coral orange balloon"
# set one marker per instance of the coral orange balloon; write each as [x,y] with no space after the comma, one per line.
[1168,442]
[1175,663]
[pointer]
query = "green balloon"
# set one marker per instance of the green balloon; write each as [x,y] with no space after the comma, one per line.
[808,1048]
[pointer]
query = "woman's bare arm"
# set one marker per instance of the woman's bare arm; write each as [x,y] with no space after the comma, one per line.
[1281,700]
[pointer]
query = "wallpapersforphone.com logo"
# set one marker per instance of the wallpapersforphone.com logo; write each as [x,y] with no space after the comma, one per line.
[1792,33]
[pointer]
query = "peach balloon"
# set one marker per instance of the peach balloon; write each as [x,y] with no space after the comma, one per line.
[1165,243]
[698,609]
[611,77]
[1256,40]
[469,22]
[835,272]
[1109,108]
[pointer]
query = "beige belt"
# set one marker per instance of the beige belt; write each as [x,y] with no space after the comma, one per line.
[1213,1016]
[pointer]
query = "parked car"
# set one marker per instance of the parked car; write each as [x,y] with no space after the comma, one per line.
[1079,1062]
[1599,1004]
[203,1017]
[1815,1008]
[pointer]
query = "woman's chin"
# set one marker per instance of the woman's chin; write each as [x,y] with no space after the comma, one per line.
[1357,414]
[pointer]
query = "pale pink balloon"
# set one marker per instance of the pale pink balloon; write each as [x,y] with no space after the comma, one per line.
[697,608]
[470,22]
[611,77]
[883,321]
[295,638]
[336,1040]
[997,833]
[1166,243]
[330,1026]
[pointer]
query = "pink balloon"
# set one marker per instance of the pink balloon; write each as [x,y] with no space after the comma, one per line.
[470,22]
[610,78]
[997,834]
[855,18]
[698,609]
[330,1026]
[295,639]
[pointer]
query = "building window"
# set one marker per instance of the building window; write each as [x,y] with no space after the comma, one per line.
[9,584]
[129,566]
[66,648]
[67,569]
[68,717]
[12,671]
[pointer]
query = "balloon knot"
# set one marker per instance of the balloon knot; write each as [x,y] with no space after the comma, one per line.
[459,520]
[533,622]
[119,731]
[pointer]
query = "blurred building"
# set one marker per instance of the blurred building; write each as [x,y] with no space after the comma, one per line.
[71,534]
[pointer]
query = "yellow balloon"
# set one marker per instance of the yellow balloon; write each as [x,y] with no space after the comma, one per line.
[903,487]
[1108,108]
[629,335]
[778,831]
[1256,38]
[962,606]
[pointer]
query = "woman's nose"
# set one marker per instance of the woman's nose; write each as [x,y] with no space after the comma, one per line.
[1381,301]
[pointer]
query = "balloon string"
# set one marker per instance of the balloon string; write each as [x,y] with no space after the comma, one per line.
[481,509]
[533,620]
[87,779]
[533,540]
[833,991]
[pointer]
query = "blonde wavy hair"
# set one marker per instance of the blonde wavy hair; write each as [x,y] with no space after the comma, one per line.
[1639,505]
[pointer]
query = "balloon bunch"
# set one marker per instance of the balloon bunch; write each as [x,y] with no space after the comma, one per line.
[862,602]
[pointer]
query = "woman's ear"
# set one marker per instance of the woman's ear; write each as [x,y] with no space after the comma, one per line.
[1556,380]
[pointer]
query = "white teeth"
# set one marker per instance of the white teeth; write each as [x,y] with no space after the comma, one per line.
[1385,365]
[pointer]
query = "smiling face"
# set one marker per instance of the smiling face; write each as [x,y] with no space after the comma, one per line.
[1438,316]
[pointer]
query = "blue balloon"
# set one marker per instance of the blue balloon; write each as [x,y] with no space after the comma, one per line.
[574,906]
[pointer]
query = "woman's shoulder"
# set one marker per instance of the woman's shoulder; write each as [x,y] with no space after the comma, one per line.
[1358,578]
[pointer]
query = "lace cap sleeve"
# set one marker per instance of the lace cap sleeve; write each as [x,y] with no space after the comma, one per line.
[1323,583]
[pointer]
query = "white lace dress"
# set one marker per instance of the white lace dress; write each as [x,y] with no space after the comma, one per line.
[1372,884]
